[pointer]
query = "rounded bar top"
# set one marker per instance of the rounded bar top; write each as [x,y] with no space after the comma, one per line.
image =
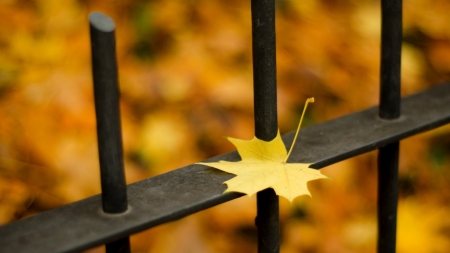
[102,22]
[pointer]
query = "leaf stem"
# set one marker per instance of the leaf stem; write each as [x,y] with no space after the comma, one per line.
[309,100]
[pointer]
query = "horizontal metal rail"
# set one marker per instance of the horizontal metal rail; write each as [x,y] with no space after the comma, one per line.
[176,194]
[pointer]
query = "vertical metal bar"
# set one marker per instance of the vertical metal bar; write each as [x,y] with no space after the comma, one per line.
[265,108]
[391,43]
[106,94]
[119,246]
[387,197]
[389,109]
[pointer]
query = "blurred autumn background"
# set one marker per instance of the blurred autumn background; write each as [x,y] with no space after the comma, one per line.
[186,80]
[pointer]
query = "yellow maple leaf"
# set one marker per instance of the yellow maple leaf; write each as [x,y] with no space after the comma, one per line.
[264,165]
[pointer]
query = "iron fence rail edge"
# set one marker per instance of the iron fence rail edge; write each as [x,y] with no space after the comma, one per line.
[176,194]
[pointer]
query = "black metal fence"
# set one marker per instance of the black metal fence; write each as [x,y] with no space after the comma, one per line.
[110,218]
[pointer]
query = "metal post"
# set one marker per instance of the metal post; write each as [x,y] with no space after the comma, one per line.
[106,93]
[391,41]
[387,197]
[391,44]
[265,107]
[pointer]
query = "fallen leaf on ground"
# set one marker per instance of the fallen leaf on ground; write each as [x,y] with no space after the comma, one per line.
[264,165]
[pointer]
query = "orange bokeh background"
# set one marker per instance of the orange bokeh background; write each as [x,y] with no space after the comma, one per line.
[186,80]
